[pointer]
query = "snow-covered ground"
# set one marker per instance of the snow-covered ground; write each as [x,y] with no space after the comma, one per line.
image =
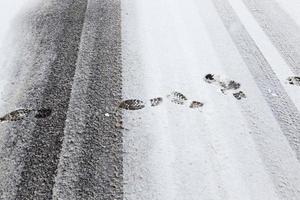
[228,149]
[10,12]
[247,149]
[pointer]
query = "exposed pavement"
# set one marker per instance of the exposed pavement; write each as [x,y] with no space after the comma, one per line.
[71,63]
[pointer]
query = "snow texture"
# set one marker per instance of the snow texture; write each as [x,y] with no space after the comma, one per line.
[150,99]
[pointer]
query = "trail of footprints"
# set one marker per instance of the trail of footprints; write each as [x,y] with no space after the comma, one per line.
[180,99]
[174,97]
[136,104]
[226,86]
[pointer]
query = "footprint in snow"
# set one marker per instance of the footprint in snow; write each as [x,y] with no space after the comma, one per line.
[181,99]
[136,104]
[132,104]
[174,97]
[16,115]
[21,114]
[177,98]
[196,104]
[226,85]
[156,101]
[294,80]
[239,95]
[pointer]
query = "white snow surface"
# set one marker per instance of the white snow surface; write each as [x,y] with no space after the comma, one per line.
[229,149]
[292,8]
[9,12]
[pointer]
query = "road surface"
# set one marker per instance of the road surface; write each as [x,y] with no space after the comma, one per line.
[132,115]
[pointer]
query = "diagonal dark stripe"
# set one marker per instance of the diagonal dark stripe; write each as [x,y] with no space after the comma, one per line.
[54,25]
[41,160]
[91,160]
[281,105]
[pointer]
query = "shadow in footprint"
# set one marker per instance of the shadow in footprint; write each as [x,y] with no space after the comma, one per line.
[294,80]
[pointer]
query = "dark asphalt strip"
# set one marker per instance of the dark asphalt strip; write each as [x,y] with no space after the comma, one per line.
[90,164]
[283,108]
[282,30]
[37,178]
[58,24]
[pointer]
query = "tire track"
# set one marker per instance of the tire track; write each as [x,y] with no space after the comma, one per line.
[282,107]
[30,151]
[282,30]
[279,161]
[90,164]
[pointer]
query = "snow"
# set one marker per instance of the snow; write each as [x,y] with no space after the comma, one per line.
[9,12]
[228,150]
[291,7]
[280,67]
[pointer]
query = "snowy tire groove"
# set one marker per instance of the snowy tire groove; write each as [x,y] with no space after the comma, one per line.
[283,108]
[265,135]
[282,30]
